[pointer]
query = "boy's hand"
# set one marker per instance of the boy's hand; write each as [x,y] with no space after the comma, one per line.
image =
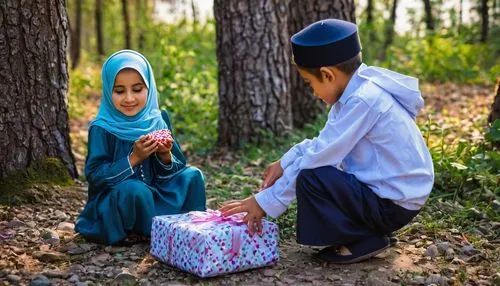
[272,173]
[143,148]
[253,210]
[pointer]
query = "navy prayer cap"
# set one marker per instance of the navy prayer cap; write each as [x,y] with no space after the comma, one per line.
[325,43]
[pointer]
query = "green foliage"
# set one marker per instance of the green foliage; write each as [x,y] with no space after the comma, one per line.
[185,68]
[436,58]
[38,182]
[466,170]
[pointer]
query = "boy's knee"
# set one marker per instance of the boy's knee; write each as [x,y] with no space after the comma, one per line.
[304,180]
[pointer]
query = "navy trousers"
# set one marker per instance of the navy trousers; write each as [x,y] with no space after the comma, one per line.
[334,208]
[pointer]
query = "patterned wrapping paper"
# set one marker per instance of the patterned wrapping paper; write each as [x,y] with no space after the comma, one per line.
[161,136]
[207,244]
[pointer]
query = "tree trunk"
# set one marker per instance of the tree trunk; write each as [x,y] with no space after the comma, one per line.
[33,84]
[305,107]
[126,22]
[460,13]
[495,107]
[98,27]
[389,30]
[76,34]
[253,61]
[429,21]
[369,21]
[484,21]
[141,8]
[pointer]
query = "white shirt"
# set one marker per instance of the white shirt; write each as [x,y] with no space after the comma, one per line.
[370,133]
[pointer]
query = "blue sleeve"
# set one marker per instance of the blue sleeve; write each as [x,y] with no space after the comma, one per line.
[165,171]
[101,168]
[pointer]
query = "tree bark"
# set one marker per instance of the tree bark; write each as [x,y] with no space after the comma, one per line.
[429,20]
[369,20]
[140,12]
[76,34]
[305,107]
[495,107]
[33,84]
[389,30]
[484,21]
[126,23]
[253,61]
[98,27]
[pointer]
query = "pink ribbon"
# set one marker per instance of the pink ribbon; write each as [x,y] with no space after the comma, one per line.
[216,217]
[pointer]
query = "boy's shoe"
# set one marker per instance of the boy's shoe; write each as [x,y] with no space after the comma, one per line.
[354,252]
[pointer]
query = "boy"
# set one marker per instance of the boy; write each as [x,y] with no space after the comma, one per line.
[368,173]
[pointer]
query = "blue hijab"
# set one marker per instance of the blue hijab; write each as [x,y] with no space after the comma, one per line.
[128,128]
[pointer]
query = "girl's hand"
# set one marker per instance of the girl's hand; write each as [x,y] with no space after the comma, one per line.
[272,173]
[253,210]
[143,148]
[164,151]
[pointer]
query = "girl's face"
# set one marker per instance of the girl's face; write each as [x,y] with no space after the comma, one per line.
[130,94]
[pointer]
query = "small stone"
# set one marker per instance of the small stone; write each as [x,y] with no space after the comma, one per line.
[269,273]
[66,226]
[442,247]
[436,280]
[432,251]
[113,249]
[31,224]
[74,278]
[144,282]
[48,256]
[14,278]
[60,215]
[469,250]
[81,284]
[40,280]
[419,279]
[419,244]
[50,236]
[447,271]
[55,274]
[449,254]
[124,276]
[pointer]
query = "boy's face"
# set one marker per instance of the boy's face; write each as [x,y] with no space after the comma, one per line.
[329,89]
[129,92]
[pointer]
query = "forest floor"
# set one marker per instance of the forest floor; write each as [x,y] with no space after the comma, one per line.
[39,246]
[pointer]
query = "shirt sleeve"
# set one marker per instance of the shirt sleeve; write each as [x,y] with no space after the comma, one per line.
[101,169]
[164,171]
[332,145]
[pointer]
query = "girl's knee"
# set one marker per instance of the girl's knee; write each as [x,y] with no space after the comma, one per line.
[135,190]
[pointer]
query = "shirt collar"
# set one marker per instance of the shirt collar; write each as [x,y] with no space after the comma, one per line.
[353,84]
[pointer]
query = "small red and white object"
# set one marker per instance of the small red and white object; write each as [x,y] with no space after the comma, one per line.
[161,136]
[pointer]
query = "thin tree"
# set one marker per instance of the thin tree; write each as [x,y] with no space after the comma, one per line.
[98,27]
[305,107]
[126,24]
[389,30]
[253,59]
[484,21]
[429,20]
[76,35]
[34,82]
[369,20]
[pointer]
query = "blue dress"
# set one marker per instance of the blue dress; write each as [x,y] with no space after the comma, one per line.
[123,200]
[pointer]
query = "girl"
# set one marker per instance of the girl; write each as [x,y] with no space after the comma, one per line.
[132,177]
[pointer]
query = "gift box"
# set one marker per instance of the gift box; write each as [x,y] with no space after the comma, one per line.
[207,244]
